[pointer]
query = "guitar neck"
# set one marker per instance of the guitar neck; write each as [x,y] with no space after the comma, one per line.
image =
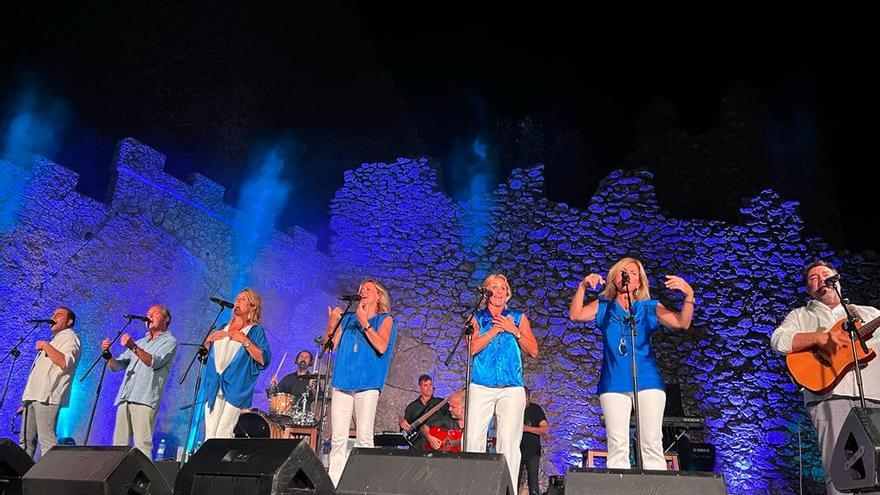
[866,330]
[421,419]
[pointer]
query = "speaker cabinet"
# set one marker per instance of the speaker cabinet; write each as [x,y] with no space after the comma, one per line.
[253,466]
[856,454]
[94,470]
[14,462]
[402,472]
[632,482]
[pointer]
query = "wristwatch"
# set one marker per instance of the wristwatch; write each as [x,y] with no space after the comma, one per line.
[519,336]
[247,344]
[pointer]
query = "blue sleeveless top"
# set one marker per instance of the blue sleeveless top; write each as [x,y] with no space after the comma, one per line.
[358,366]
[499,364]
[616,374]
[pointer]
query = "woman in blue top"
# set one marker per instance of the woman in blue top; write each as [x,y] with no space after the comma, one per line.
[239,352]
[615,381]
[500,336]
[363,344]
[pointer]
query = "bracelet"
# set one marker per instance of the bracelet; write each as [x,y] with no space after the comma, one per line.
[369,327]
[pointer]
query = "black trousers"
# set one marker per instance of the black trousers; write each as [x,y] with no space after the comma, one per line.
[531,464]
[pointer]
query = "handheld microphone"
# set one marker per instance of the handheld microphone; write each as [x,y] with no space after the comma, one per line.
[137,317]
[48,322]
[350,297]
[624,278]
[222,302]
[830,281]
[484,291]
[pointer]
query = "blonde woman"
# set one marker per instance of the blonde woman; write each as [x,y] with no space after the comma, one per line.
[239,352]
[615,380]
[500,337]
[363,344]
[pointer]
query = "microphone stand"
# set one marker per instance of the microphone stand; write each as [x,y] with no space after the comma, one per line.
[467,331]
[105,355]
[202,355]
[14,352]
[630,321]
[325,387]
[850,327]
[24,413]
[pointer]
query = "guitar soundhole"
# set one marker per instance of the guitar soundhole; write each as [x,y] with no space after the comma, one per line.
[821,358]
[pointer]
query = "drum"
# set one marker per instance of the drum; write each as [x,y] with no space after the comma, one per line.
[255,424]
[281,403]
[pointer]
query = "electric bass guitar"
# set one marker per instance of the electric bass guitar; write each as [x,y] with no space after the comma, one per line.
[820,370]
[413,432]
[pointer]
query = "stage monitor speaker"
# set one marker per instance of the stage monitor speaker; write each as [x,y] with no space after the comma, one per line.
[168,470]
[632,482]
[402,472]
[856,455]
[253,466]
[14,462]
[94,470]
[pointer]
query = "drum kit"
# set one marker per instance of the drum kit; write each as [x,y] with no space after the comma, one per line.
[286,411]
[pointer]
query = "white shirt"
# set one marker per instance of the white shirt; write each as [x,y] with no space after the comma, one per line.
[47,382]
[225,349]
[817,317]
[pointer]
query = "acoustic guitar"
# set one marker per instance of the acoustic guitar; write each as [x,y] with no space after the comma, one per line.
[818,371]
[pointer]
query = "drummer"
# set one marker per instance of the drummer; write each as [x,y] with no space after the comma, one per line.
[297,383]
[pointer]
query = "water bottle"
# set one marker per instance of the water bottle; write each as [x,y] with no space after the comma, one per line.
[160,452]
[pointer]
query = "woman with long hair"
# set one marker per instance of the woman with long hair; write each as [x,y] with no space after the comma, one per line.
[238,353]
[363,344]
[627,282]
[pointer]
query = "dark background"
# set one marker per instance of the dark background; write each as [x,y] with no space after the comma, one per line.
[719,105]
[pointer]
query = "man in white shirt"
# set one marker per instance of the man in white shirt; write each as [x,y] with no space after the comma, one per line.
[48,385]
[808,327]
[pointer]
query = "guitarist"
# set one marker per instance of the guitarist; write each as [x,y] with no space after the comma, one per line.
[451,420]
[807,327]
[420,406]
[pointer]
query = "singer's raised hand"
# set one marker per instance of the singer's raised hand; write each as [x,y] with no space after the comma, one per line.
[593,280]
[40,345]
[677,319]
[361,314]
[126,341]
[674,282]
[334,314]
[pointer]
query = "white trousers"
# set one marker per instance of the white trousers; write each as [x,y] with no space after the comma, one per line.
[221,420]
[617,410]
[508,404]
[363,404]
[135,421]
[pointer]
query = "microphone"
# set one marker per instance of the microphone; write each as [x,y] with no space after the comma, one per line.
[48,322]
[624,278]
[222,302]
[137,317]
[484,291]
[350,297]
[830,281]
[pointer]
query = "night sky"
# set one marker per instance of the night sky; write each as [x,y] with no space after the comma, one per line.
[366,81]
